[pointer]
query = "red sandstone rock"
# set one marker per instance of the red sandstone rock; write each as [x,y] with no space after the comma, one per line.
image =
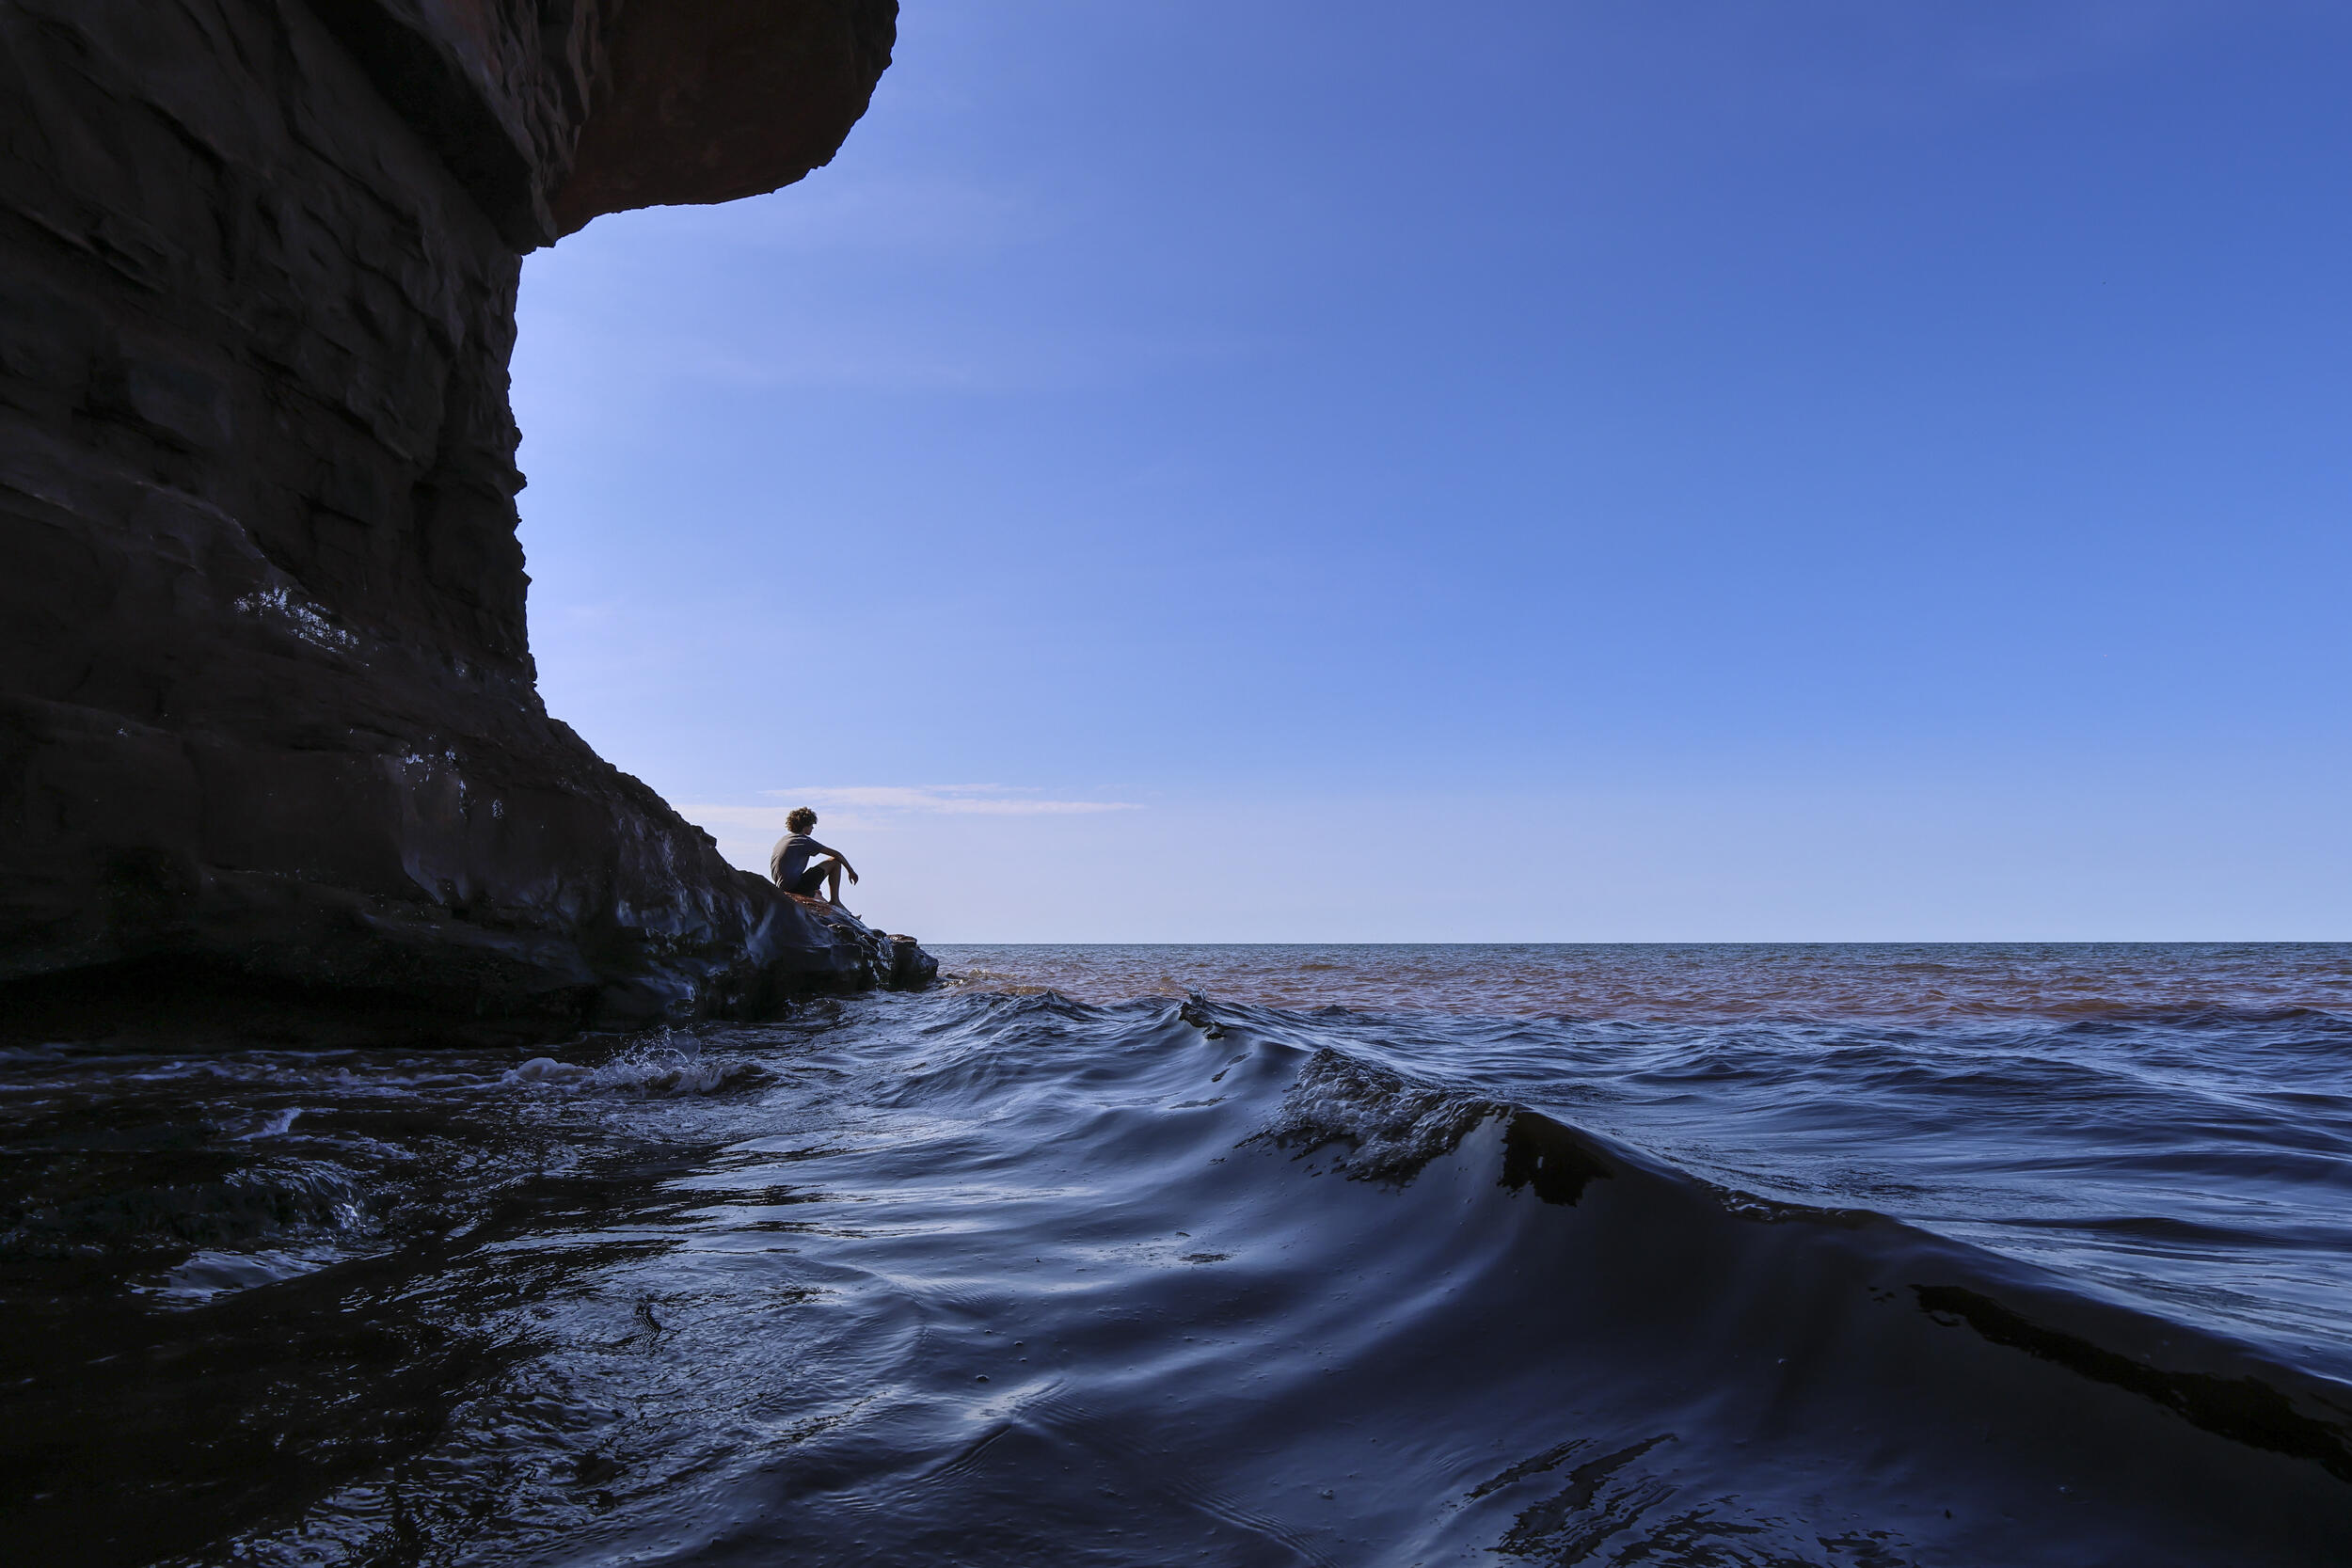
[267,713]
[723,99]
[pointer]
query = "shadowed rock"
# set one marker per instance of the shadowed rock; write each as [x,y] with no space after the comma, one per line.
[724,99]
[267,707]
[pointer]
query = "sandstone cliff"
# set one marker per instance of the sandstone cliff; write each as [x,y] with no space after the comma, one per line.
[267,714]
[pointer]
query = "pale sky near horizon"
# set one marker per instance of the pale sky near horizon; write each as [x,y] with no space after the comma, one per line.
[1532,471]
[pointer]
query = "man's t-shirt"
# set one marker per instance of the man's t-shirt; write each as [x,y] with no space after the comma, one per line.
[792,854]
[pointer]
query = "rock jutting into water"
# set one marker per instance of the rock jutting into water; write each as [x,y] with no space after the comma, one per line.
[268,721]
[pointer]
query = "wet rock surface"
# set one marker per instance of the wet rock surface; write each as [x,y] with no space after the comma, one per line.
[268,725]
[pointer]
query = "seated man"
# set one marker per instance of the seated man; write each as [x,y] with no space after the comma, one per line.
[790,863]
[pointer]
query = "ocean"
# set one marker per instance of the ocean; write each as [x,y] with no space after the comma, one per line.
[1846,1257]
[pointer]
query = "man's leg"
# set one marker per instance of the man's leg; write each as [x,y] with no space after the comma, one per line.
[833,881]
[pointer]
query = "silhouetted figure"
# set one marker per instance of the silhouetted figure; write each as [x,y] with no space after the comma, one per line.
[789,865]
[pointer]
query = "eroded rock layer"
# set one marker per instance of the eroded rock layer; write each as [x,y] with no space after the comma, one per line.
[267,709]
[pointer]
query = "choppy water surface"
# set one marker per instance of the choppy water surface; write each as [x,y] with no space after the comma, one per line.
[1865,1256]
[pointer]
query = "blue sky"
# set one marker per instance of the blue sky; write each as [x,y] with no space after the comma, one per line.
[1562,470]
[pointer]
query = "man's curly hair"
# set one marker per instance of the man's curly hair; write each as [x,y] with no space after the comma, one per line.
[800,819]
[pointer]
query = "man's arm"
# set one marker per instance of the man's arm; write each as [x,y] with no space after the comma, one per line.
[846,869]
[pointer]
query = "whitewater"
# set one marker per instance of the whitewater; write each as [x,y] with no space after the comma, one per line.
[1871,1256]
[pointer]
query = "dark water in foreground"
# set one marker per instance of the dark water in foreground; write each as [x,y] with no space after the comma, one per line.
[1865,1256]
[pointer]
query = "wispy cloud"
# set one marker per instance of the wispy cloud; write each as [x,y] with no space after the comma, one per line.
[746,832]
[874,213]
[943,799]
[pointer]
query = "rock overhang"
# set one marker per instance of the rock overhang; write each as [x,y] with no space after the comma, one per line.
[268,716]
[555,112]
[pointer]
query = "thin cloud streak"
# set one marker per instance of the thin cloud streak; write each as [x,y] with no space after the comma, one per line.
[890,813]
[943,800]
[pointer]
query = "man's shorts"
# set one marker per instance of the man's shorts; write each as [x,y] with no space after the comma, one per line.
[809,881]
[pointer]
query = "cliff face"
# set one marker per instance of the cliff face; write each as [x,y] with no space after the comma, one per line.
[267,712]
